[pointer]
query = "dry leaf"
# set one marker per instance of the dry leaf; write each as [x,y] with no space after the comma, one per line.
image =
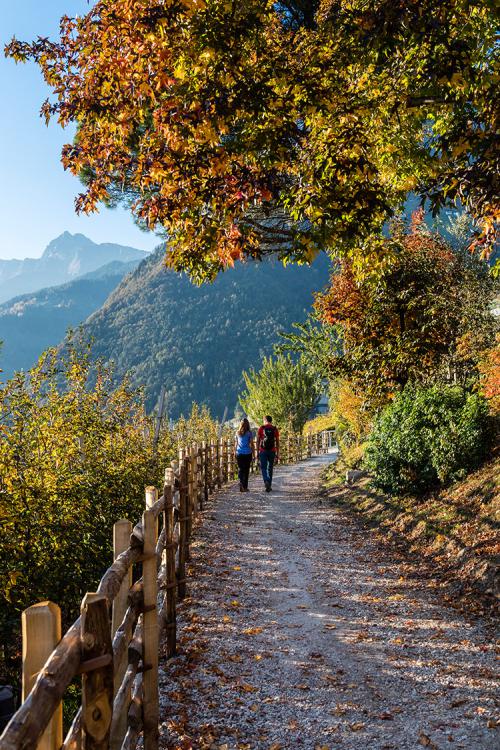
[426,741]
[356,726]
[248,688]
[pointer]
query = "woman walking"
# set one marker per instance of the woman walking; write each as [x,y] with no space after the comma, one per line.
[243,448]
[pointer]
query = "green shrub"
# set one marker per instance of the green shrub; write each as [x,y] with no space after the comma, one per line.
[428,436]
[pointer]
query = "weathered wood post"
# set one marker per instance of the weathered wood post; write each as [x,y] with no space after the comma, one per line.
[222,465]
[211,464]
[97,672]
[150,631]
[205,469]
[169,607]
[218,459]
[41,627]
[183,540]
[121,540]
[199,476]
[190,497]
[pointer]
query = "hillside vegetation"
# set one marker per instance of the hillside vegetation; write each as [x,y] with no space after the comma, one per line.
[196,341]
[31,323]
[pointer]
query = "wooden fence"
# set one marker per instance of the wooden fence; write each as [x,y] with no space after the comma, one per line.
[115,643]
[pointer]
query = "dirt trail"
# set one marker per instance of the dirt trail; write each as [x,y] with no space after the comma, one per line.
[301,633]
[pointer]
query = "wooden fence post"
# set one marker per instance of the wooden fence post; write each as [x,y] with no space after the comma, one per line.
[97,672]
[121,540]
[151,496]
[183,541]
[41,626]
[205,471]
[227,462]
[150,631]
[169,605]
[217,465]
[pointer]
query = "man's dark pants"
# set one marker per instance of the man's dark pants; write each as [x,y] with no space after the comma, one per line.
[266,464]
[244,460]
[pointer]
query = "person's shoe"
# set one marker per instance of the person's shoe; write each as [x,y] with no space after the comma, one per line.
[268,486]
[246,489]
[242,489]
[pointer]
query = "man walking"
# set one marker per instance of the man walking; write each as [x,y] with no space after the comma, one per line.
[268,444]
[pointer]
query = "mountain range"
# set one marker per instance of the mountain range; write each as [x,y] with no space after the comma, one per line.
[153,324]
[66,258]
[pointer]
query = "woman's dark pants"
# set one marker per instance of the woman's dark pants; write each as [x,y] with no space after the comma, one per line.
[244,460]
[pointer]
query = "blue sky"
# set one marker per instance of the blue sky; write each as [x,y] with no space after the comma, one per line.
[37,195]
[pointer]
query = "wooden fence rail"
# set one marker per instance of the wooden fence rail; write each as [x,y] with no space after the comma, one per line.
[115,643]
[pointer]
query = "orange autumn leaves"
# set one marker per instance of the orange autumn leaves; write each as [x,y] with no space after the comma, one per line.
[239,129]
[409,323]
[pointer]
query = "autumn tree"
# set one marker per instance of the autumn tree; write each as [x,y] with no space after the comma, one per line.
[244,128]
[427,315]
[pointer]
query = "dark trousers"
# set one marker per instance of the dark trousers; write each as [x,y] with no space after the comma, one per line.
[244,460]
[266,464]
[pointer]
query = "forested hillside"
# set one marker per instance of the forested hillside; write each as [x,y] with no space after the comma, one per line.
[32,322]
[197,340]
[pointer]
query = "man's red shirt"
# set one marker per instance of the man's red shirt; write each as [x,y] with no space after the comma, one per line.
[260,436]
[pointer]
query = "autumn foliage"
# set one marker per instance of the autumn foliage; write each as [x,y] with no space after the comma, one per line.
[243,128]
[489,369]
[410,322]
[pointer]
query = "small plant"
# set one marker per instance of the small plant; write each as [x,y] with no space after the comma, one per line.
[428,436]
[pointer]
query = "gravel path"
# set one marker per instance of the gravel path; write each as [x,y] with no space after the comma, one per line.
[301,633]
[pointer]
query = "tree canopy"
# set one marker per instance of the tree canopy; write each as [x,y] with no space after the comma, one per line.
[243,128]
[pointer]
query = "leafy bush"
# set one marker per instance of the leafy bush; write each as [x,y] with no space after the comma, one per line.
[426,436]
